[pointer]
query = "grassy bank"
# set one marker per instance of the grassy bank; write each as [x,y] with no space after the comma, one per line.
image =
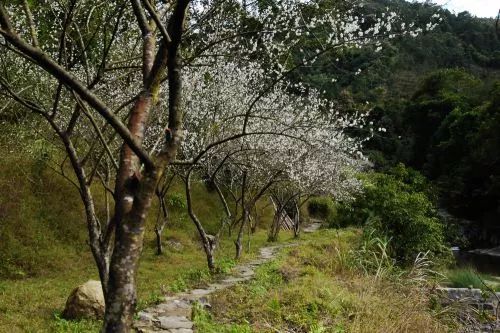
[44,252]
[319,286]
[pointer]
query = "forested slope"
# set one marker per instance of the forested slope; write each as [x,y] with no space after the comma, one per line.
[436,97]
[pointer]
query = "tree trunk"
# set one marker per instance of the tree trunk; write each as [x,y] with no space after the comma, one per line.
[210,260]
[237,243]
[239,248]
[122,296]
[159,246]
[275,226]
[161,222]
[209,242]
[296,225]
[272,233]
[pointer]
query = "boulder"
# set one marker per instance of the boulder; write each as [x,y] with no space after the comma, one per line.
[85,301]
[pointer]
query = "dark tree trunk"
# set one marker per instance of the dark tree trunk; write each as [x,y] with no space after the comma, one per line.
[122,295]
[159,246]
[162,218]
[237,243]
[296,225]
[275,226]
[210,260]
[209,242]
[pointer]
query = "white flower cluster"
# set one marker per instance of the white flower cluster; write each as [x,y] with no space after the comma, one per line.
[230,111]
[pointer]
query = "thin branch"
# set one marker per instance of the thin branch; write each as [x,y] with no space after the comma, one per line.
[157,20]
[31,22]
[41,59]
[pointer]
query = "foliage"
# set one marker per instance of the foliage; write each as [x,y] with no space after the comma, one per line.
[373,256]
[392,72]
[176,201]
[323,208]
[81,326]
[397,206]
[449,130]
[203,321]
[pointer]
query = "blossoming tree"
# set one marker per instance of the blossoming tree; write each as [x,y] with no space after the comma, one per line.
[97,71]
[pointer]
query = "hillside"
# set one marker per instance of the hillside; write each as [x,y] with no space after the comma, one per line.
[436,97]
[459,41]
[318,166]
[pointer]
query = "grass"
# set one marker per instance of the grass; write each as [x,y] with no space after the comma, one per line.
[44,254]
[319,287]
[469,278]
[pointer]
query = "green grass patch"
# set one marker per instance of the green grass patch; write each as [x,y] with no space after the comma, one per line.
[204,323]
[44,252]
[318,286]
[471,278]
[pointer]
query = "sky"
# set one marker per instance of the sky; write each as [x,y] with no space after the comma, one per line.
[480,8]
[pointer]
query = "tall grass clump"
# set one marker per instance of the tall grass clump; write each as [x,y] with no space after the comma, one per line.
[466,278]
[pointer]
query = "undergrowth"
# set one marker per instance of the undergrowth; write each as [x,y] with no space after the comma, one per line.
[333,282]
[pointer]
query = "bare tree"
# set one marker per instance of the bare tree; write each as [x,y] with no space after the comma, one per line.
[105,74]
[116,244]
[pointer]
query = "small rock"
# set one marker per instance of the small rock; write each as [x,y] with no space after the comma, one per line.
[205,303]
[200,292]
[85,301]
[145,317]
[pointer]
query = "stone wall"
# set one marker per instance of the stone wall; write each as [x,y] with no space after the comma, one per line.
[480,300]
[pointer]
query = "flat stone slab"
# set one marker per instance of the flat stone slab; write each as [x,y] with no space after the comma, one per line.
[233,280]
[174,308]
[201,292]
[181,330]
[175,322]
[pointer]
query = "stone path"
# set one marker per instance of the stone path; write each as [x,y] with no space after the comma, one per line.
[174,315]
[313,226]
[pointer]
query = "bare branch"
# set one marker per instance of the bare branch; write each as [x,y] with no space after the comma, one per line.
[157,20]
[31,23]
[41,59]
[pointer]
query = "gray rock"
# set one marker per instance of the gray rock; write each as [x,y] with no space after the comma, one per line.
[85,301]
[175,322]
[145,317]
[181,330]
[174,308]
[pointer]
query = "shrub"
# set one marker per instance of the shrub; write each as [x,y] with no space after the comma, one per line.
[469,278]
[398,206]
[323,208]
[176,201]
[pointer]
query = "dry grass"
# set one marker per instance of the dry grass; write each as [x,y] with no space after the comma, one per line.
[314,288]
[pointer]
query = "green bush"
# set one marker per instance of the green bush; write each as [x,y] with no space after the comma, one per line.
[323,208]
[464,278]
[176,201]
[398,206]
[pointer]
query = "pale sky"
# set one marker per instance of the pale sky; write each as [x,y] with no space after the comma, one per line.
[480,8]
